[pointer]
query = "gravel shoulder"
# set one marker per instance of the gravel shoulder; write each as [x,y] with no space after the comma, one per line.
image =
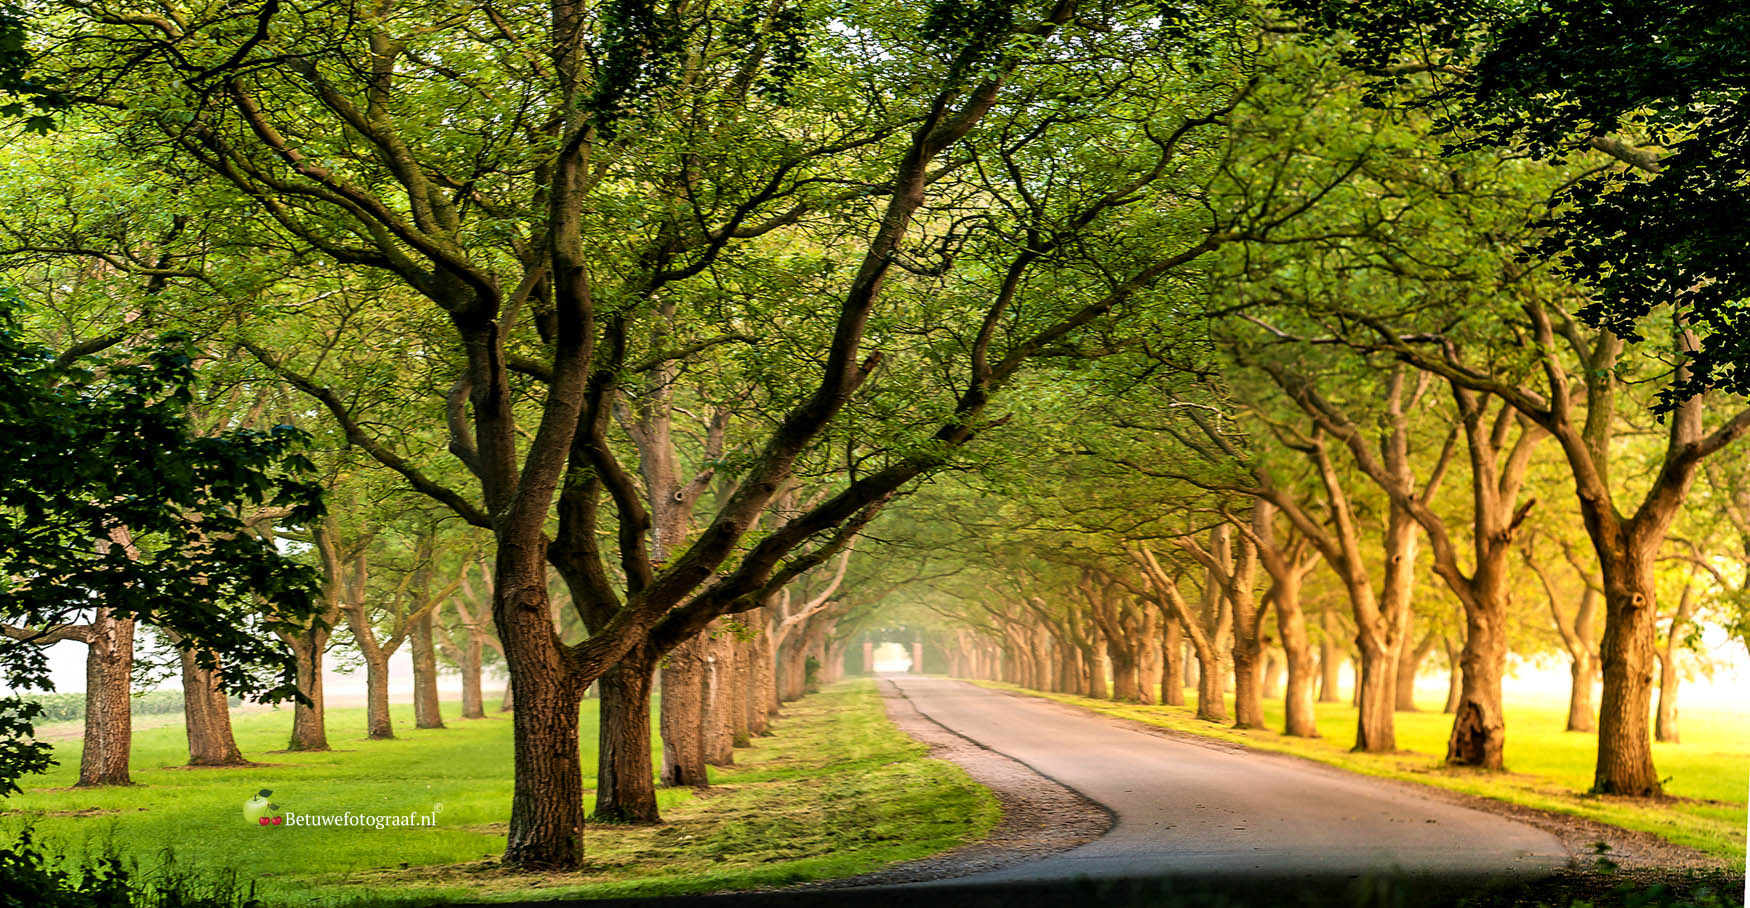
[1040,816]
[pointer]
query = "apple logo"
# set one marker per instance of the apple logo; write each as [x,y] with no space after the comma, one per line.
[262,812]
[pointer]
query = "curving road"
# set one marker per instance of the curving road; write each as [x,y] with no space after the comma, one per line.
[1186,809]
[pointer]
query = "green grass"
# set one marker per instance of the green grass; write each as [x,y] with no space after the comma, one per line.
[1547,768]
[837,791]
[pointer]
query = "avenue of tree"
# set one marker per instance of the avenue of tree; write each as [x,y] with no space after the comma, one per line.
[644,346]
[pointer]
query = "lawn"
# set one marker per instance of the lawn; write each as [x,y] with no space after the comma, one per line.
[836,791]
[1547,768]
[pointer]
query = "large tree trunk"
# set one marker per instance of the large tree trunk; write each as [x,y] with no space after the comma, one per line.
[109,666]
[546,819]
[206,715]
[683,742]
[1625,749]
[625,780]
[427,713]
[741,691]
[309,724]
[718,722]
[1479,731]
[1300,720]
[1375,732]
[1099,670]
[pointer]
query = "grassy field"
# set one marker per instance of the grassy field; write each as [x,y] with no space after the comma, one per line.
[836,791]
[1547,767]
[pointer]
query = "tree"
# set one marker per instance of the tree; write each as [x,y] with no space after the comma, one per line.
[635,151]
[1655,84]
[114,508]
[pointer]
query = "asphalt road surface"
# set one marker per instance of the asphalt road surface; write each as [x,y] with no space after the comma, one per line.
[1197,826]
[1186,809]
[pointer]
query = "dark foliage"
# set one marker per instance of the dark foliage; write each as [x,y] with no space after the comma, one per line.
[100,449]
[1553,78]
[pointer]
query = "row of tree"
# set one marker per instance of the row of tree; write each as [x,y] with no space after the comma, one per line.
[671,303]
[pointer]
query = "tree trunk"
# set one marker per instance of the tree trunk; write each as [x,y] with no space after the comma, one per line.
[1148,660]
[718,721]
[1582,673]
[1409,666]
[546,819]
[378,725]
[1454,677]
[1665,723]
[741,692]
[1173,662]
[1478,727]
[309,723]
[109,666]
[1375,731]
[507,702]
[1330,668]
[473,698]
[206,714]
[1625,748]
[1099,671]
[683,744]
[1272,675]
[625,780]
[1123,659]
[427,713]
[1300,719]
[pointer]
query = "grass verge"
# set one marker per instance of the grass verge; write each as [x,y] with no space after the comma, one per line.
[835,792]
[1548,769]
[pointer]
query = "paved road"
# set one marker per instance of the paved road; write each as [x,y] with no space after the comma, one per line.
[1191,810]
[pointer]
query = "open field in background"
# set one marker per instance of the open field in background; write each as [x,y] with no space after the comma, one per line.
[836,791]
[1547,768]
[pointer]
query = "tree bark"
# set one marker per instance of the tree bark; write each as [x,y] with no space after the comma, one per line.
[206,715]
[718,722]
[1330,660]
[1172,662]
[109,666]
[309,721]
[683,742]
[625,779]
[1409,666]
[1670,677]
[427,711]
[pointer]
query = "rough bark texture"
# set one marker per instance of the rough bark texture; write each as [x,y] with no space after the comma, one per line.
[683,688]
[109,666]
[717,722]
[379,726]
[206,715]
[625,780]
[309,719]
